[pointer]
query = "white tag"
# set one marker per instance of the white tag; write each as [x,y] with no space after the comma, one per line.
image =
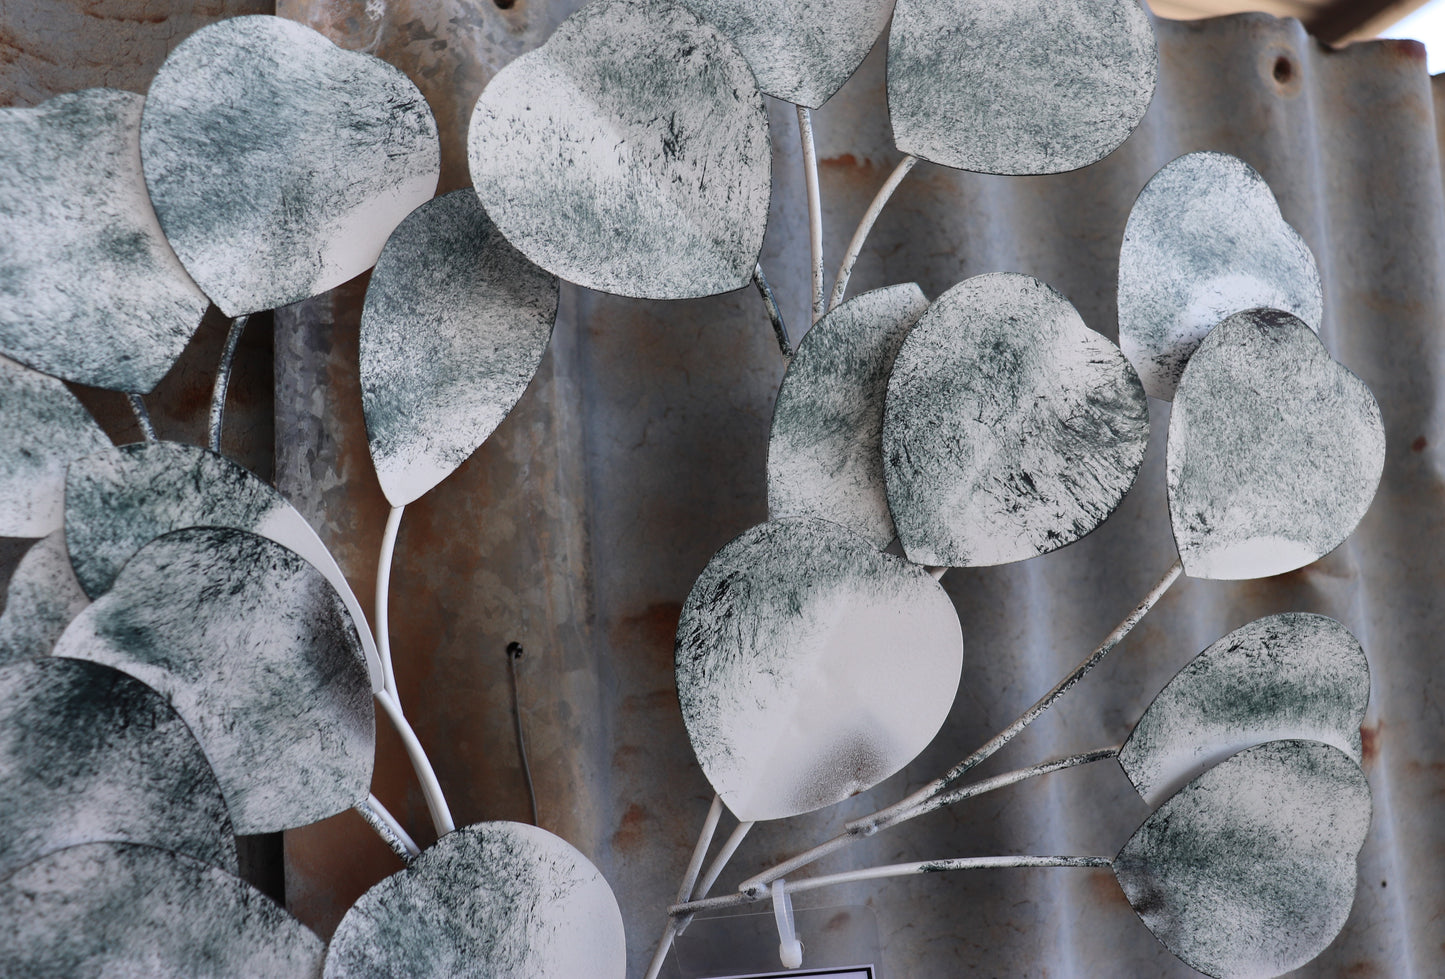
[845,972]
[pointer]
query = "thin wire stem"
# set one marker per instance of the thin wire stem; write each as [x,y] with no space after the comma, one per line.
[223,379]
[689,878]
[870,823]
[714,871]
[906,808]
[775,313]
[865,227]
[891,870]
[514,653]
[815,209]
[386,826]
[436,803]
[142,417]
[383,600]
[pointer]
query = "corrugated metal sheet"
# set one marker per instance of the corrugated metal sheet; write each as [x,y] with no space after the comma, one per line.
[639,450]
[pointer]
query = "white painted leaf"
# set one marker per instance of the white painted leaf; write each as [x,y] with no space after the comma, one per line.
[1018,86]
[118,501]
[279,163]
[42,429]
[255,650]
[629,154]
[1285,676]
[500,900]
[1205,240]
[1011,428]
[127,911]
[825,450]
[43,598]
[1275,450]
[801,51]
[454,327]
[88,754]
[91,291]
[811,666]
[1249,871]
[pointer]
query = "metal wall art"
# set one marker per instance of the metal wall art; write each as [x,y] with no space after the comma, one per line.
[183,659]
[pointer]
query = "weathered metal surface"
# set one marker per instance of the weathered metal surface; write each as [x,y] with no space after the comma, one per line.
[1205,240]
[279,163]
[580,526]
[801,51]
[43,428]
[1011,428]
[254,649]
[91,292]
[1249,871]
[496,900]
[629,153]
[825,447]
[1288,676]
[1018,86]
[1275,450]
[43,598]
[90,755]
[454,327]
[810,667]
[118,909]
[119,500]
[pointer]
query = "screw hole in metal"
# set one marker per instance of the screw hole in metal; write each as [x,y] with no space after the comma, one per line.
[1283,70]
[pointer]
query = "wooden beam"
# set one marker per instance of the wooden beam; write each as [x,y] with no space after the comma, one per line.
[1355,20]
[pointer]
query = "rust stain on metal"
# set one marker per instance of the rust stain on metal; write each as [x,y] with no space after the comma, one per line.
[1370,735]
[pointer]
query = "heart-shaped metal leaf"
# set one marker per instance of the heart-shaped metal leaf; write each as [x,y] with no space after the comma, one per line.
[825,451]
[1018,86]
[42,429]
[123,910]
[1249,871]
[118,501]
[1205,240]
[811,666]
[91,291]
[255,650]
[88,754]
[501,900]
[802,51]
[43,598]
[279,163]
[455,324]
[1285,676]
[629,154]
[1011,428]
[1275,450]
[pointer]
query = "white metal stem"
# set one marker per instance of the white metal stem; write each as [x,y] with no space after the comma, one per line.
[868,824]
[689,878]
[388,828]
[815,209]
[714,871]
[904,809]
[865,227]
[775,313]
[891,870]
[142,417]
[383,601]
[223,379]
[436,803]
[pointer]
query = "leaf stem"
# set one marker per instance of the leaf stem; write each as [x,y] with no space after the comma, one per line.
[383,600]
[865,227]
[780,329]
[436,803]
[142,417]
[388,828]
[815,208]
[223,379]
[914,804]
[891,870]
